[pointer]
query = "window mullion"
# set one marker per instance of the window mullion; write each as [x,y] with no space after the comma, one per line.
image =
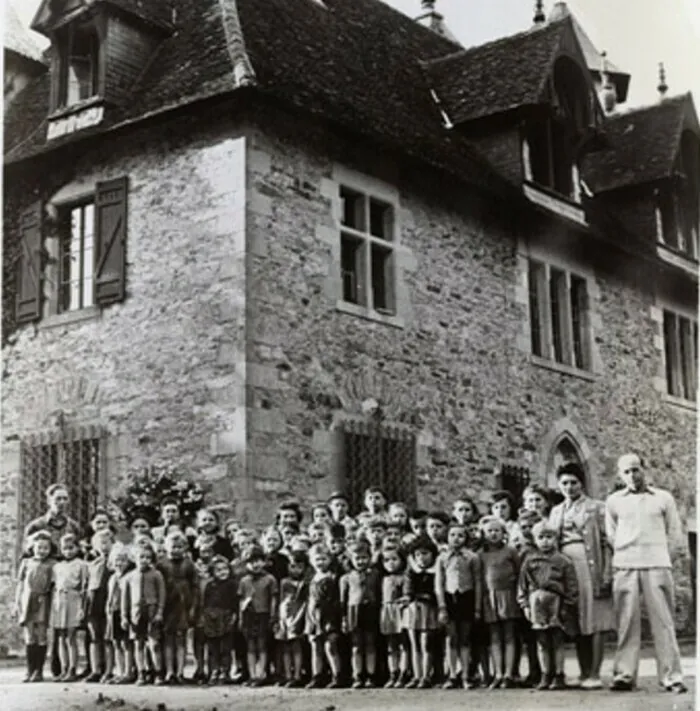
[546,314]
[81,259]
[565,317]
[367,250]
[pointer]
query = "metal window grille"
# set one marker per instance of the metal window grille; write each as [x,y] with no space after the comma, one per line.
[379,454]
[72,459]
[514,479]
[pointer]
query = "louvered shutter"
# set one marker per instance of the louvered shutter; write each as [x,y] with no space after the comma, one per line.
[110,240]
[29,272]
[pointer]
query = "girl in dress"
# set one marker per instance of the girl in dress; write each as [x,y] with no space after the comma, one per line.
[219,608]
[68,613]
[33,602]
[258,593]
[118,648]
[360,599]
[547,592]
[323,618]
[500,565]
[421,613]
[181,604]
[294,594]
[391,617]
[98,579]
[203,569]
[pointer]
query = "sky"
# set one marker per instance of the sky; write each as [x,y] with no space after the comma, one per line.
[637,34]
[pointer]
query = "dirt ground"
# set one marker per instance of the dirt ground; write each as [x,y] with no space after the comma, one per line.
[15,696]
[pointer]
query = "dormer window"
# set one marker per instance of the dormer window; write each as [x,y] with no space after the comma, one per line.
[79,64]
[551,140]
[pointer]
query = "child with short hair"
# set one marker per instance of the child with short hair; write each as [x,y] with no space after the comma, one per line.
[181,603]
[258,593]
[360,597]
[139,525]
[536,499]
[321,514]
[458,592]
[548,594]
[316,532]
[208,522]
[288,512]
[170,517]
[503,507]
[374,501]
[339,507]
[375,528]
[397,514]
[204,574]
[142,608]
[68,613]
[421,613]
[500,564]
[32,606]
[393,534]
[465,510]
[294,593]
[323,618]
[119,652]
[335,542]
[416,521]
[219,608]
[436,524]
[276,562]
[95,614]
[391,616]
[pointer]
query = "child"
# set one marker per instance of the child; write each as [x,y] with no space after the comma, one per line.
[335,541]
[391,616]
[323,618]
[392,535]
[548,592]
[417,520]
[139,526]
[360,597]
[276,562]
[339,507]
[231,528]
[203,569]
[421,614]
[503,507]
[118,649]
[208,522]
[33,602]
[294,593]
[170,516]
[258,593]
[181,603]
[500,564]
[245,539]
[142,607]
[316,532]
[95,614]
[288,533]
[458,592]
[287,513]
[398,516]
[321,515]
[375,505]
[479,637]
[465,511]
[375,527]
[535,499]
[436,528]
[68,613]
[219,608]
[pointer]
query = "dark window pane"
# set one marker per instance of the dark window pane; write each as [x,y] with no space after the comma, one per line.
[381,219]
[352,209]
[579,321]
[535,276]
[382,288]
[350,267]
[555,277]
[671,347]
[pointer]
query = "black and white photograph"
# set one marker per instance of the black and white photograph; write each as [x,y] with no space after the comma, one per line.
[349,355]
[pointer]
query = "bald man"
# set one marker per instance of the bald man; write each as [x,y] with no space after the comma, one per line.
[642,524]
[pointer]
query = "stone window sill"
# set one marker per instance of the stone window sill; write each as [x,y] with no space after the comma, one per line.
[680,403]
[369,315]
[63,111]
[561,368]
[90,313]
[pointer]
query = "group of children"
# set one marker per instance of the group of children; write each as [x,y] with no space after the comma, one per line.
[391,596]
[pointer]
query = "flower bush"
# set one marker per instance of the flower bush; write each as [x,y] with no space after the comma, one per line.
[145,489]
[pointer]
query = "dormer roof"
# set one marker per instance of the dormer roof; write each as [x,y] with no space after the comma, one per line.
[644,144]
[17,39]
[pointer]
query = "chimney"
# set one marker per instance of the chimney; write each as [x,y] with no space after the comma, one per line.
[559,12]
[540,18]
[608,93]
[433,20]
[662,87]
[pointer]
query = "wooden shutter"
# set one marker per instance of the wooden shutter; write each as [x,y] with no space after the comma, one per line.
[110,241]
[29,282]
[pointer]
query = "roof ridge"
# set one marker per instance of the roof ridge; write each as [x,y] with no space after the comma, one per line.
[241,66]
[677,99]
[492,43]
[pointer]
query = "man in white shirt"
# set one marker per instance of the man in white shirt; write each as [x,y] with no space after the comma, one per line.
[642,524]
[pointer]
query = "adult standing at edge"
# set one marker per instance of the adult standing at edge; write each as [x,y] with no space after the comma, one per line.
[642,524]
[580,521]
[56,522]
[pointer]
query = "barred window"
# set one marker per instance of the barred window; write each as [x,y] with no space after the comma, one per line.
[72,459]
[378,454]
[514,479]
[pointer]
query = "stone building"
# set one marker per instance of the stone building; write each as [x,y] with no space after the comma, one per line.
[302,245]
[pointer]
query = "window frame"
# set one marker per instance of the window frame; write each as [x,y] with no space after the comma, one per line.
[66,230]
[554,336]
[369,243]
[680,353]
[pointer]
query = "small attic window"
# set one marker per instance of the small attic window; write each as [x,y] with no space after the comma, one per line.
[78,64]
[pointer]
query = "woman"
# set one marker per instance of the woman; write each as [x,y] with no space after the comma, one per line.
[580,522]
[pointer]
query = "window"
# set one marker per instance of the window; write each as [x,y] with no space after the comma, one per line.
[367,257]
[76,258]
[73,459]
[79,53]
[558,316]
[680,347]
[378,454]
[514,479]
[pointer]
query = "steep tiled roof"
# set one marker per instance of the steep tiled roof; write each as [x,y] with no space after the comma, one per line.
[644,143]
[16,37]
[498,76]
[152,11]
[351,61]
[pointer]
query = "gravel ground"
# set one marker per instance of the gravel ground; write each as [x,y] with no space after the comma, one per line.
[15,696]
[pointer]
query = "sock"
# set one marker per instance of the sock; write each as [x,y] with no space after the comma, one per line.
[31,658]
